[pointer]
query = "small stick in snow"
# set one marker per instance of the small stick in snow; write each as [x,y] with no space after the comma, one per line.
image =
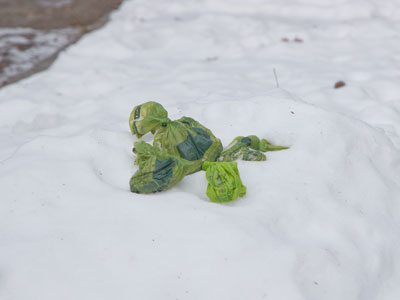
[276,78]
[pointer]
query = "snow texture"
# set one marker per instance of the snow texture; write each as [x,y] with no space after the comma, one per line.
[320,220]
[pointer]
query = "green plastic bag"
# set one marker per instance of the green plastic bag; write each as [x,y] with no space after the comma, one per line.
[147,117]
[185,138]
[248,148]
[188,139]
[224,183]
[183,147]
[158,171]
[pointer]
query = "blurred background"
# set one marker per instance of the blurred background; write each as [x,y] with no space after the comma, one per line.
[33,32]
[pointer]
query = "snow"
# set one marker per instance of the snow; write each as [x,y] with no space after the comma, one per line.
[319,221]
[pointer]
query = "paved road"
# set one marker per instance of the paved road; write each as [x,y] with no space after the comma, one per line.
[33,32]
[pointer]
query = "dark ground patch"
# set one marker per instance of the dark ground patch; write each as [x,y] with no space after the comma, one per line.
[33,32]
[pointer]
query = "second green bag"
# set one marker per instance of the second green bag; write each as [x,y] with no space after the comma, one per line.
[185,138]
[188,139]
[158,171]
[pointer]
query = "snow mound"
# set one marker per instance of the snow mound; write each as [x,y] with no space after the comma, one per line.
[319,221]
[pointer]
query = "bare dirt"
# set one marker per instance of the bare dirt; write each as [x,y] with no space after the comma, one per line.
[33,32]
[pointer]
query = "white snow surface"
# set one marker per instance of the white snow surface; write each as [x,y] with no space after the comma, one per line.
[319,221]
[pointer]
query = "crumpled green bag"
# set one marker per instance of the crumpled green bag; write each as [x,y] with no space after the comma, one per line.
[147,117]
[248,148]
[158,171]
[183,147]
[185,138]
[224,183]
[188,139]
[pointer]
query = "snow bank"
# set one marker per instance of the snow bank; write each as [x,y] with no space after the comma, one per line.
[320,221]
